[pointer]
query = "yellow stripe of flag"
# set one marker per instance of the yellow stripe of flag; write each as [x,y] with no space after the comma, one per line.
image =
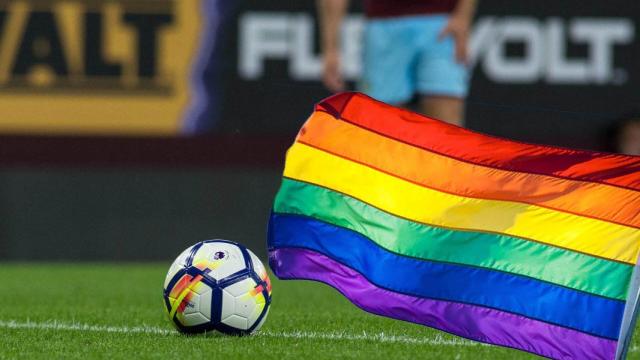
[425,205]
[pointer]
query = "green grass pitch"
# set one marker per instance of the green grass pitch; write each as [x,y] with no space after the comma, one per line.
[115,311]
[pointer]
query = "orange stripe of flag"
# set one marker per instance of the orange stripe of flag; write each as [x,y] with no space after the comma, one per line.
[443,173]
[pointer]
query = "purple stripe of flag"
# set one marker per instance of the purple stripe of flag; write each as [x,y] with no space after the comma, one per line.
[472,322]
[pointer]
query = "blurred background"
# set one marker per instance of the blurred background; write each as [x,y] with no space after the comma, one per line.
[131,129]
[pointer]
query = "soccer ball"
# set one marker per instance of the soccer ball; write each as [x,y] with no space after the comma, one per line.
[217,285]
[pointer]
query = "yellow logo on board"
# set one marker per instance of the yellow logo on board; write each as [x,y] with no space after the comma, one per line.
[96,66]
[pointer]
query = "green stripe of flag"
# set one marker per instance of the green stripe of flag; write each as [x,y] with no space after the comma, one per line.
[492,251]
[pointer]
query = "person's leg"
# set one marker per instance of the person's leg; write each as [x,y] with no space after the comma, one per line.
[449,109]
[442,81]
[628,141]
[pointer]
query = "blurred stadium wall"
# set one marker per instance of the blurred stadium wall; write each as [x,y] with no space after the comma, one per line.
[130,129]
[105,198]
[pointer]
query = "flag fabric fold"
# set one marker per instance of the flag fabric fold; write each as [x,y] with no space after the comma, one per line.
[519,245]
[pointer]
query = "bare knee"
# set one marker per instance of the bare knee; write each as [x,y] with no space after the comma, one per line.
[448,109]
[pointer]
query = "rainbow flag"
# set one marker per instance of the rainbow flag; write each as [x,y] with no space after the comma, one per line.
[525,246]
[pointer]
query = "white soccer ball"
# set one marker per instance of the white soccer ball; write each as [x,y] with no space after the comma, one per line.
[217,285]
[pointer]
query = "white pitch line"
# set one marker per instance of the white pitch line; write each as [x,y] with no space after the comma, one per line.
[379,337]
[56,325]
[438,340]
